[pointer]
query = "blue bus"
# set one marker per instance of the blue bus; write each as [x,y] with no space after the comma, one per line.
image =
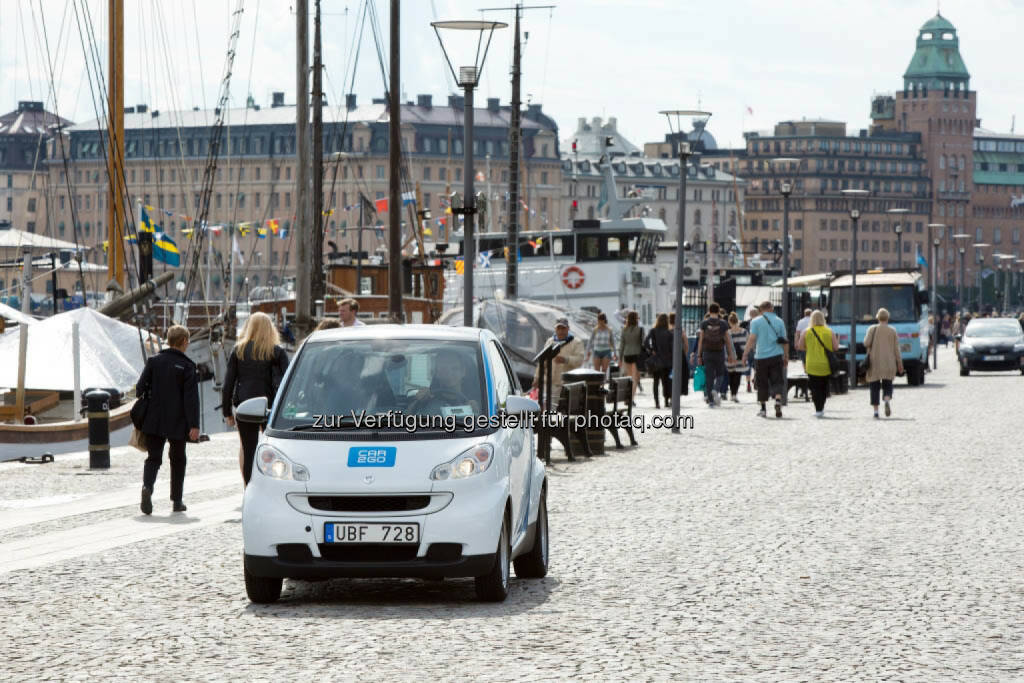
[903,294]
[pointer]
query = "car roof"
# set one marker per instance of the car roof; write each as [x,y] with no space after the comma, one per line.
[438,332]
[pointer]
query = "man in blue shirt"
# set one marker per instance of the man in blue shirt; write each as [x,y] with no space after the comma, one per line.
[768,337]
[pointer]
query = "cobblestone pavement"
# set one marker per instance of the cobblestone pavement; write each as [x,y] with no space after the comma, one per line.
[793,549]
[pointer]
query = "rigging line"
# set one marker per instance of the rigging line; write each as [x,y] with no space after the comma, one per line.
[116,176]
[199,54]
[547,55]
[67,171]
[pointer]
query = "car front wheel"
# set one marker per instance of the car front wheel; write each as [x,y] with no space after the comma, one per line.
[261,589]
[493,586]
[534,564]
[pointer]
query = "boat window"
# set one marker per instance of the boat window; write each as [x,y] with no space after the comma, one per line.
[604,248]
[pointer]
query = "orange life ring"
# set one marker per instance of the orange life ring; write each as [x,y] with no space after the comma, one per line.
[572,277]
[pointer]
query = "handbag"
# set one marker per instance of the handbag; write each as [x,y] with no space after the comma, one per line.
[139,410]
[781,340]
[138,439]
[698,378]
[833,362]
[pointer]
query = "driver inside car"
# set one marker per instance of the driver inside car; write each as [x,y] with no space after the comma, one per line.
[446,390]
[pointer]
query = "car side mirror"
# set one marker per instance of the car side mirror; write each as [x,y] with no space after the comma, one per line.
[252,411]
[514,405]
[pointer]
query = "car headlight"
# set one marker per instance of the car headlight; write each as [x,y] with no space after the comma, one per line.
[274,464]
[471,461]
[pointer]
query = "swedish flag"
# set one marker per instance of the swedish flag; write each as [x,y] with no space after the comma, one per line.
[165,250]
[147,224]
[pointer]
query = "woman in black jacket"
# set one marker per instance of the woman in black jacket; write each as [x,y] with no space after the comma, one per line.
[255,368]
[171,381]
[659,362]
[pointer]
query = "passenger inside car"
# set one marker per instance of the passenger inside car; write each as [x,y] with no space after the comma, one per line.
[352,386]
[452,387]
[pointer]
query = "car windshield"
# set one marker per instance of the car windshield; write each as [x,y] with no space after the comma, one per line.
[337,383]
[897,299]
[993,328]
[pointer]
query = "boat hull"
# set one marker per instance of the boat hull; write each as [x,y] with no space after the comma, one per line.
[60,432]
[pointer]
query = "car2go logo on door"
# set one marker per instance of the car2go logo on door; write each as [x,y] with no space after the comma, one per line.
[371,456]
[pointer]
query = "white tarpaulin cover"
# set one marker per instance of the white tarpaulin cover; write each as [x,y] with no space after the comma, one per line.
[110,352]
[15,315]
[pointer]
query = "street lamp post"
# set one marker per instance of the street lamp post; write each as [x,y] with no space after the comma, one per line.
[960,275]
[933,305]
[898,229]
[675,123]
[980,257]
[467,78]
[1004,267]
[853,196]
[785,189]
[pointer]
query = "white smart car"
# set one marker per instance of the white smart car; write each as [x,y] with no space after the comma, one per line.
[395,451]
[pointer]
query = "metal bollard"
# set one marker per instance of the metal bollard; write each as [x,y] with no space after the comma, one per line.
[98,412]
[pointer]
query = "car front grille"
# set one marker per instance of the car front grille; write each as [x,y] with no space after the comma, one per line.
[364,552]
[368,503]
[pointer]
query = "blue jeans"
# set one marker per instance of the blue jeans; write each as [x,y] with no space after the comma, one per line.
[883,386]
[715,374]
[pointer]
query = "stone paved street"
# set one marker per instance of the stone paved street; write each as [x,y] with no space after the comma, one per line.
[794,549]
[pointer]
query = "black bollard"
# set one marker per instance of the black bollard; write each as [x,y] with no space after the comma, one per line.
[98,412]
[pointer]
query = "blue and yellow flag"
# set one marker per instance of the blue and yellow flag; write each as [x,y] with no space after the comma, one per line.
[147,224]
[165,250]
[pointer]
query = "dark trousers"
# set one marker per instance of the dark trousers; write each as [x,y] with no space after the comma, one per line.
[885,385]
[818,385]
[714,372]
[249,435]
[769,378]
[176,454]
[661,379]
[734,382]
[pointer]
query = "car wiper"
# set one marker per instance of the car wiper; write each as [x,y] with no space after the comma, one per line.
[302,427]
[327,425]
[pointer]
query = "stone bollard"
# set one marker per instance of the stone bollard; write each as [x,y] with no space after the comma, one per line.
[98,412]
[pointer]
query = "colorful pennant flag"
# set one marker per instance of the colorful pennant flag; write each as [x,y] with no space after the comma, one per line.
[381,205]
[273,225]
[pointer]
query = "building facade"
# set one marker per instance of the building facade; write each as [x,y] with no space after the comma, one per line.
[253,201]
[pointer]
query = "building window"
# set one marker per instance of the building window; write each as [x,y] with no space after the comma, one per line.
[426,172]
[380,173]
[287,199]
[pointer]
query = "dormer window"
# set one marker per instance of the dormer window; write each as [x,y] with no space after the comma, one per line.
[927,36]
[947,36]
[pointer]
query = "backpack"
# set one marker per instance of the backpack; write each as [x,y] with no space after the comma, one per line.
[714,336]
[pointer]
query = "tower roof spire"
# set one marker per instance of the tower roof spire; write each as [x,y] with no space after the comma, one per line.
[937,63]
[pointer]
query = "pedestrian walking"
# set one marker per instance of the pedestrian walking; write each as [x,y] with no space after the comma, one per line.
[947,330]
[752,372]
[713,348]
[884,361]
[347,311]
[771,349]
[815,340]
[255,368]
[601,345]
[737,369]
[659,360]
[170,381]
[631,343]
[802,324]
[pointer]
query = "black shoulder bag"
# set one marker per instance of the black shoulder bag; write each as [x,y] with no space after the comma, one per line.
[833,361]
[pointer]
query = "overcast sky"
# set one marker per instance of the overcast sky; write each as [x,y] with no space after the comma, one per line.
[623,58]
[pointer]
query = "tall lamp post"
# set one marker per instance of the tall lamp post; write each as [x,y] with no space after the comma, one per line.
[1004,266]
[461,33]
[785,189]
[898,229]
[675,125]
[960,275]
[980,258]
[934,303]
[855,197]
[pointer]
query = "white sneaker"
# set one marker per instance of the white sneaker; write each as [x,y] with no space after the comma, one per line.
[819,413]
[717,397]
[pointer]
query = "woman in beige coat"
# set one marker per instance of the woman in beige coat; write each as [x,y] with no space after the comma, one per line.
[883,347]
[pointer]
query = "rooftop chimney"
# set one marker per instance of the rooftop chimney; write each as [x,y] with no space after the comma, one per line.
[278,99]
[456,101]
[493,104]
[424,101]
[350,101]
[141,109]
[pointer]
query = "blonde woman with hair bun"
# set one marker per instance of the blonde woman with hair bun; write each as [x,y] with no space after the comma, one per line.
[884,360]
[255,368]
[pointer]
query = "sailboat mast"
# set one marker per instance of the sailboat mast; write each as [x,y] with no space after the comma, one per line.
[115,143]
[394,176]
[304,221]
[317,269]
[515,133]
